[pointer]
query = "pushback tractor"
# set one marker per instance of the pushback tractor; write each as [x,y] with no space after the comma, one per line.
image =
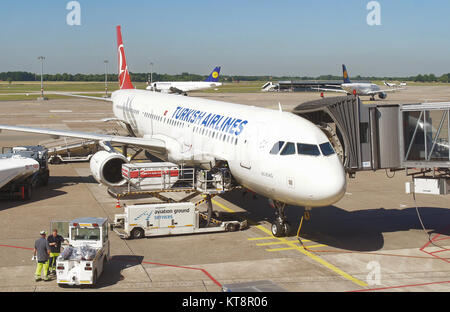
[84,259]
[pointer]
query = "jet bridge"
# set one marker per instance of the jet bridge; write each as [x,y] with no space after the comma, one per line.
[411,137]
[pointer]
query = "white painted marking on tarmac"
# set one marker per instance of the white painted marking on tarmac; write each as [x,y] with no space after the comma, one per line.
[60,111]
[77,120]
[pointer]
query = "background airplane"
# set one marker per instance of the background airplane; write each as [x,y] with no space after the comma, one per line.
[184,86]
[360,89]
[276,154]
[393,85]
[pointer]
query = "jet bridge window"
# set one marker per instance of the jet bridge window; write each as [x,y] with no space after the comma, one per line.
[308,149]
[326,149]
[276,147]
[289,149]
[426,135]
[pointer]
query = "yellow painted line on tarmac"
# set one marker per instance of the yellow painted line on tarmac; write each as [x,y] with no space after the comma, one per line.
[300,249]
[281,249]
[318,259]
[260,238]
[271,237]
[315,246]
[272,243]
[222,206]
[282,242]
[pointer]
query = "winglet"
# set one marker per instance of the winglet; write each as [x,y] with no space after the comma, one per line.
[124,75]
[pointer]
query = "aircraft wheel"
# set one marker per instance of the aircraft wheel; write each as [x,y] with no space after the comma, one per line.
[286,228]
[277,229]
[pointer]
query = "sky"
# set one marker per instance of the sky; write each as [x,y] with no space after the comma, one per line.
[246,37]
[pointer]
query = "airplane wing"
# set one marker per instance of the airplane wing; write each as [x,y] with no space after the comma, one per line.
[176,90]
[330,90]
[153,144]
[383,91]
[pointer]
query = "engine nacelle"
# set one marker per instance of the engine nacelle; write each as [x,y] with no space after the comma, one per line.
[382,95]
[106,167]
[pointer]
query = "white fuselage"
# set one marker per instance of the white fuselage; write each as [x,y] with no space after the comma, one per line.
[184,86]
[361,88]
[199,131]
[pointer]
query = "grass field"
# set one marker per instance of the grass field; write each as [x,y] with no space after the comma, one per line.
[29,90]
[26,86]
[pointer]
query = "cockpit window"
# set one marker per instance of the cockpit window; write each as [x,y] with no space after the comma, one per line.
[308,149]
[289,149]
[327,149]
[277,147]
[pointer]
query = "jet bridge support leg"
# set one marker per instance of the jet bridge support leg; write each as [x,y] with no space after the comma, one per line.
[280,227]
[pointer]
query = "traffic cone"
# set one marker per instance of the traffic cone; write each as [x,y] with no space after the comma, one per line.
[118,204]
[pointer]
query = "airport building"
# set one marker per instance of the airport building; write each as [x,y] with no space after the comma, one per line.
[302,85]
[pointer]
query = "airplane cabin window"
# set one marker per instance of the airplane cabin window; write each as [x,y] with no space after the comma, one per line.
[276,147]
[289,149]
[308,149]
[327,149]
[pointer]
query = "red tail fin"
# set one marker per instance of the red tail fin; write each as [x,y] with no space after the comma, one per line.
[124,75]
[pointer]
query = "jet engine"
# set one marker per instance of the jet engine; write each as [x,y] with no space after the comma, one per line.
[106,167]
[382,95]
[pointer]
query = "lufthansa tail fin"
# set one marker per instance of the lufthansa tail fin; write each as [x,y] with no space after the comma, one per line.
[214,76]
[345,74]
[124,75]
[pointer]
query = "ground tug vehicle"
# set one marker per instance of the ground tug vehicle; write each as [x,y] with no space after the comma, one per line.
[84,259]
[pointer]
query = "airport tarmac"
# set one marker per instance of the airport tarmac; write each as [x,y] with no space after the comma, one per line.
[371,240]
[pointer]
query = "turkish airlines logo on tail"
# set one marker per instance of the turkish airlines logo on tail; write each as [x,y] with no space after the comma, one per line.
[123,69]
[124,75]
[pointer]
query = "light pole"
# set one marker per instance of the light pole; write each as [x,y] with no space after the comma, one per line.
[106,77]
[151,73]
[42,58]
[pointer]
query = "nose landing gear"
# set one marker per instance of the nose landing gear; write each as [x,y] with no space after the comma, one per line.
[280,227]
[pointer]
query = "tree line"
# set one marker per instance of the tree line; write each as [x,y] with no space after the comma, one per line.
[144,77]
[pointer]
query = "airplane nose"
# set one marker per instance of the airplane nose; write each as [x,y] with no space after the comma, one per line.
[329,184]
[334,186]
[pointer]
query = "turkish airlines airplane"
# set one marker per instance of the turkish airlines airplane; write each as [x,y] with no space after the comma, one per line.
[360,89]
[276,154]
[184,86]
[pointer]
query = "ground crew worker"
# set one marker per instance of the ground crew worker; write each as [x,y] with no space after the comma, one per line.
[54,241]
[42,251]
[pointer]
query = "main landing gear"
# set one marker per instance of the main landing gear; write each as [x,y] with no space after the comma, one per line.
[280,227]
